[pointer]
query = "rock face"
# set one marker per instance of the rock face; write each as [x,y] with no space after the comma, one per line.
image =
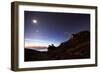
[77,47]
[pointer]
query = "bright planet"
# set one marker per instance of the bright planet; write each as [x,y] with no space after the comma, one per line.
[34,21]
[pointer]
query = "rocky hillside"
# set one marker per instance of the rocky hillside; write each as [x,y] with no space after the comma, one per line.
[77,47]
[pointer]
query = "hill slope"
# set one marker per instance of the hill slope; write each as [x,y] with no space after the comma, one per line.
[77,47]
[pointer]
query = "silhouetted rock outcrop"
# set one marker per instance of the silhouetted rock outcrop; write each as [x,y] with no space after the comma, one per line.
[77,47]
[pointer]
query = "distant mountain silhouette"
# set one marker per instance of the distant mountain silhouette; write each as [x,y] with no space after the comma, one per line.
[77,47]
[33,55]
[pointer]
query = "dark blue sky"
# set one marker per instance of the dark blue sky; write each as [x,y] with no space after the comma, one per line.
[53,28]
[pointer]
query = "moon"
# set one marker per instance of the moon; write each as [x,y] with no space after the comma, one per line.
[34,21]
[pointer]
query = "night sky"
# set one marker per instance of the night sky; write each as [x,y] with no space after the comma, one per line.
[46,28]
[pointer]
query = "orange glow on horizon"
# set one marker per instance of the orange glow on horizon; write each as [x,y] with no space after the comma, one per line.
[29,43]
[35,45]
[39,47]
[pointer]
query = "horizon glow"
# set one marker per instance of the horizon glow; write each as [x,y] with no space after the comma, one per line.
[37,43]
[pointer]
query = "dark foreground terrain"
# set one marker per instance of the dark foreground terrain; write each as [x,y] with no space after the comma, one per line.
[77,47]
